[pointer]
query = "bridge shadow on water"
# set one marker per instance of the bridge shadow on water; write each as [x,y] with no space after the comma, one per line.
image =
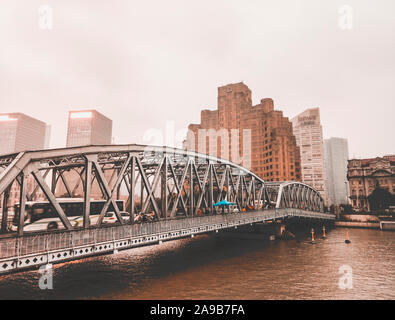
[102,275]
[99,276]
[222,267]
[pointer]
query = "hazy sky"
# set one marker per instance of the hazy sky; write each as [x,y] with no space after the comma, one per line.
[146,64]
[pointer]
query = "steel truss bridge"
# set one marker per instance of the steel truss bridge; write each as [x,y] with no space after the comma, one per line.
[178,188]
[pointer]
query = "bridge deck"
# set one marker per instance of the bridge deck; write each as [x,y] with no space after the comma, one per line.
[53,247]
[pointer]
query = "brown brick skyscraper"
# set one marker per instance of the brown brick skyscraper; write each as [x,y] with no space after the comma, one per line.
[273,153]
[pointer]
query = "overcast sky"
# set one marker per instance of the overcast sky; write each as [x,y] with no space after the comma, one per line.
[145,64]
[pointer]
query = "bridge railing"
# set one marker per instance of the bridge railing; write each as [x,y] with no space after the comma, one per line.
[8,248]
[49,242]
[29,244]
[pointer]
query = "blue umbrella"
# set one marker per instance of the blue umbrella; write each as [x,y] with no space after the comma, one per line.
[223,203]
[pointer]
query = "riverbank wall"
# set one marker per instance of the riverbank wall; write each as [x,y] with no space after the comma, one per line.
[353,224]
[368,221]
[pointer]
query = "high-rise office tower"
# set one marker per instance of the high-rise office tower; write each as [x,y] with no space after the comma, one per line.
[259,135]
[336,157]
[88,127]
[308,132]
[20,132]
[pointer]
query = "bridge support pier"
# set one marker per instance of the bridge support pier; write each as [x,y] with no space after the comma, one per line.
[282,232]
[280,229]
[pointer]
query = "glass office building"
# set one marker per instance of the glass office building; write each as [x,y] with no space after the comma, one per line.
[20,132]
[88,127]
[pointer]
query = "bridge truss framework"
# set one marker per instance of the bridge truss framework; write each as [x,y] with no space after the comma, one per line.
[182,181]
[159,180]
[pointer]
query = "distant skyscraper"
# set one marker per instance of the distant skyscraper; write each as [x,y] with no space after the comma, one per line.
[272,149]
[308,132]
[336,157]
[88,127]
[20,132]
